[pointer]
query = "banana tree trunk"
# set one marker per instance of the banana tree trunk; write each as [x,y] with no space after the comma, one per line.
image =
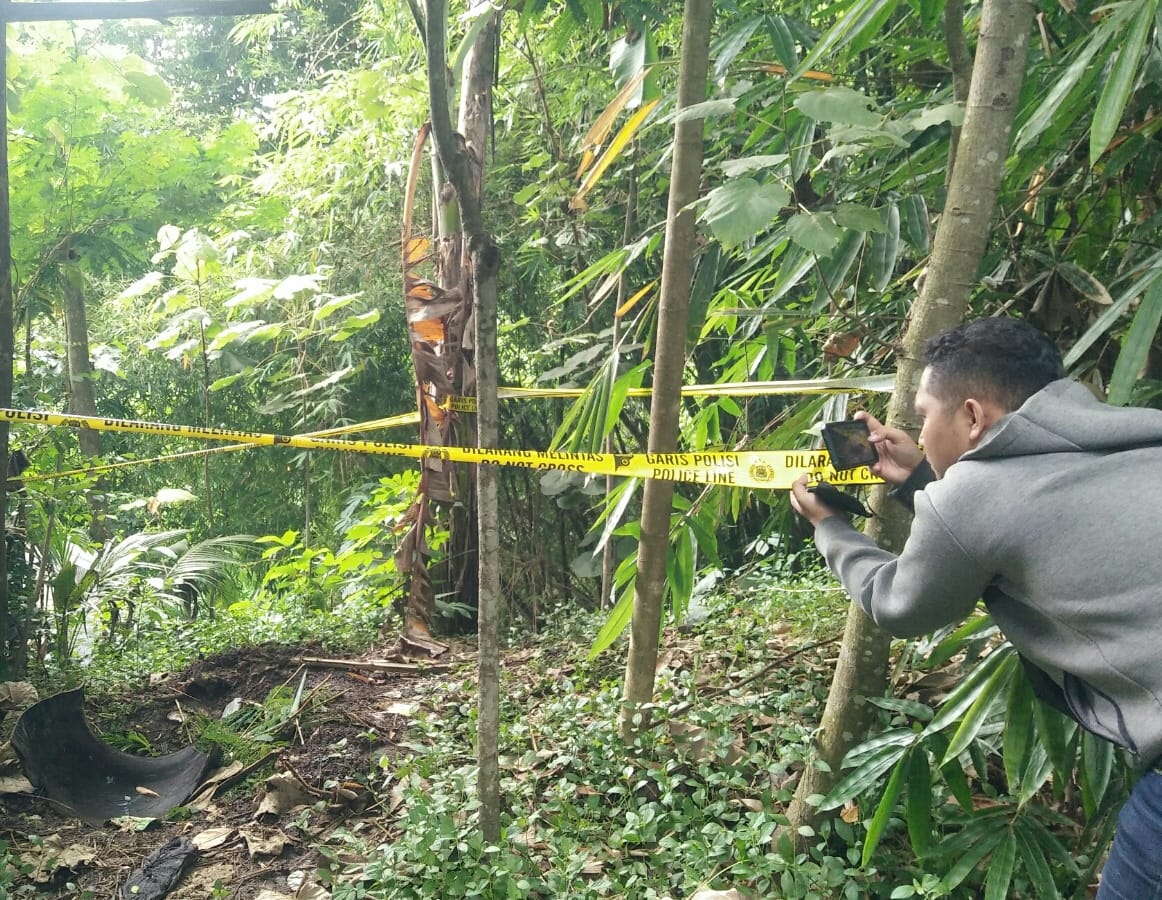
[673,314]
[960,242]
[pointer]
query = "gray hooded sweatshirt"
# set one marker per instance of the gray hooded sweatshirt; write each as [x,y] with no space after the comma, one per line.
[1055,520]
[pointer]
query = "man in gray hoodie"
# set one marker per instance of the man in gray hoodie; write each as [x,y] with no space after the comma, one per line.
[1044,502]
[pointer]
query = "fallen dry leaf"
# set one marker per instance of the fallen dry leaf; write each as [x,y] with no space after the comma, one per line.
[259,844]
[213,837]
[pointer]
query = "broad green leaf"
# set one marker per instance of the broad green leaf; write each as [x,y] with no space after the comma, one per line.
[875,828]
[861,218]
[996,886]
[1097,762]
[987,838]
[1053,104]
[864,777]
[734,168]
[1055,731]
[814,232]
[332,305]
[1084,283]
[1018,731]
[915,226]
[1038,770]
[1149,273]
[991,695]
[782,41]
[742,208]
[147,88]
[619,617]
[952,113]
[293,285]
[142,285]
[1120,83]
[1137,345]
[725,50]
[911,708]
[680,573]
[1035,864]
[968,691]
[838,104]
[862,21]
[919,806]
[893,737]
[707,109]
[884,250]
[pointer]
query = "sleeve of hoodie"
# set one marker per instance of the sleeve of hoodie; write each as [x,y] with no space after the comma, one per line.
[933,582]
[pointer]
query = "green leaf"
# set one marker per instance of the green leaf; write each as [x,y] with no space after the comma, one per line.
[986,839]
[838,104]
[915,225]
[1001,870]
[1136,347]
[858,26]
[1035,864]
[615,624]
[1097,762]
[1054,103]
[861,218]
[991,694]
[726,50]
[1018,731]
[1052,729]
[740,209]
[680,573]
[1150,273]
[935,115]
[967,692]
[919,808]
[875,828]
[735,168]
[147,88]
[815,232]
[864,777]
[782,41]
[707,109]
[1118,86]
[884,250]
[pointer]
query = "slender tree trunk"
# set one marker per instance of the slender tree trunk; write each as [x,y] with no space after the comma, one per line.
[961,239]
[82,396]
[463,164]
[673,314]
[7,352]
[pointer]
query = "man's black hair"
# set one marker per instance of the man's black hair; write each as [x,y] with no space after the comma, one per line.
[1003,360]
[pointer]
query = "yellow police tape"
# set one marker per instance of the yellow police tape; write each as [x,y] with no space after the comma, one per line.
[773,469]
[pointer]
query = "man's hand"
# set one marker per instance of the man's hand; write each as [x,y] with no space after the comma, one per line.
[808,505]
[898,453]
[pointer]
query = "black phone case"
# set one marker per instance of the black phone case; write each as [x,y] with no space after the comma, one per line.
[847,443]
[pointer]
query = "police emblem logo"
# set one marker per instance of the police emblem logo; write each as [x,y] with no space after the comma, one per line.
[762,472]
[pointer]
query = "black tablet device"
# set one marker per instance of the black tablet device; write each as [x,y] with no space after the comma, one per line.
[848,444]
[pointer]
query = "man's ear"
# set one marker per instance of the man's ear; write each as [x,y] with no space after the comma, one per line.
[981,417]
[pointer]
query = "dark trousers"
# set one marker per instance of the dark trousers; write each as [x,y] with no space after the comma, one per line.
[1134,868]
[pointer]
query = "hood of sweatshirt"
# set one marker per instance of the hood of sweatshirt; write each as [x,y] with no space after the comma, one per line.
[1065,417]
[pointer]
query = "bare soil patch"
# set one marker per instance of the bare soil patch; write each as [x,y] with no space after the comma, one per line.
[256,834]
